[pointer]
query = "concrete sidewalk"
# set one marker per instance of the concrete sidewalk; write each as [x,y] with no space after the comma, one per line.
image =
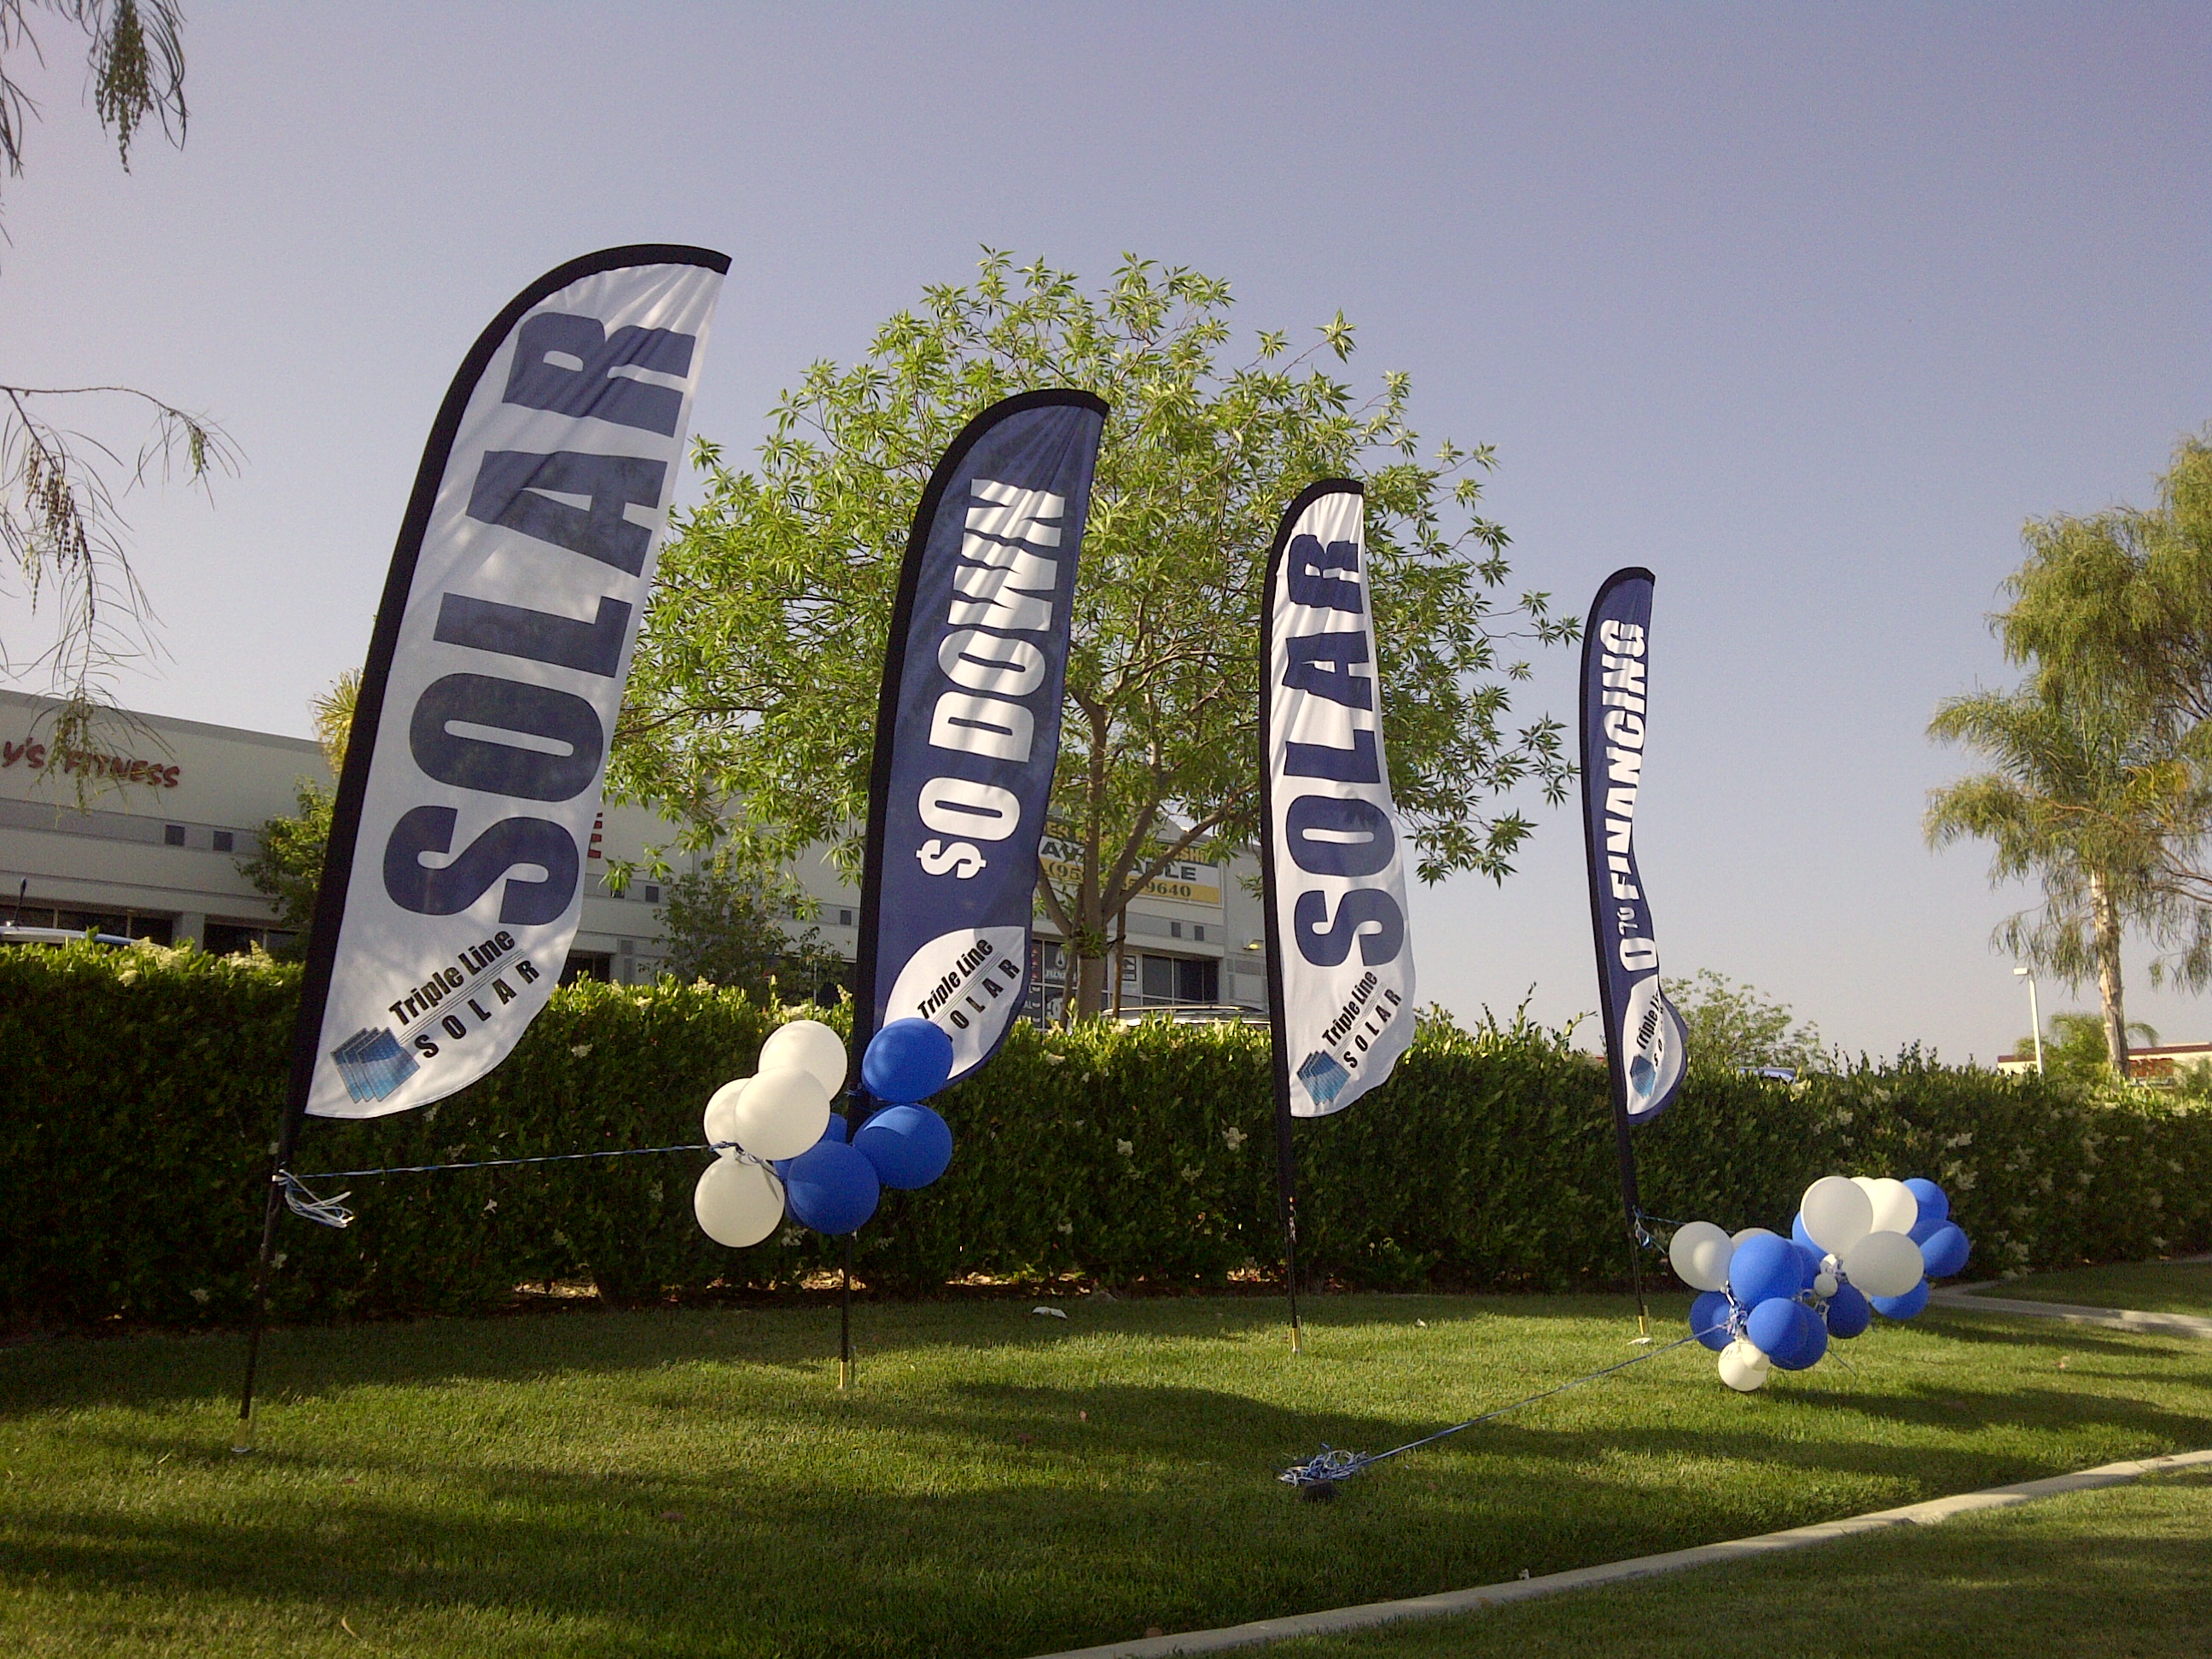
[1644,1566]
[2117,1319]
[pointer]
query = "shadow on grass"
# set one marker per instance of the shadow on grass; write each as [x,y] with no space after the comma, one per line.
[2109,1574]
[146,1371]
[1075,1538]
[764,1515]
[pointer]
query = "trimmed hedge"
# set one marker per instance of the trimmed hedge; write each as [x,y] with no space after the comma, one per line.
[142,1087]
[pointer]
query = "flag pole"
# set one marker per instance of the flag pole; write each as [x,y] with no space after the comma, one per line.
[1632,1205]
[1286,1166]
[1605,874]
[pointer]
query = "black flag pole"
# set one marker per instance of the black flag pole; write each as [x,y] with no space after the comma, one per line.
[1286,1164]
[959,618]
[1645,1042]
[477,623]
[346,818]
[1603,931]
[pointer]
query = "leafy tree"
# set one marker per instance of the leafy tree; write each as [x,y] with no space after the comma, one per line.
[1733,1025]
[2082,791]
[289,868]
[726,927]
[2075,1046]
[2118,606]
[135,64]
[2105,783]
[754,694]
[60,523]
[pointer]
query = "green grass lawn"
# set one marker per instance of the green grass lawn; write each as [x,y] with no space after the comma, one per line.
[2119,1574]
[998,1484]
[2181,1287]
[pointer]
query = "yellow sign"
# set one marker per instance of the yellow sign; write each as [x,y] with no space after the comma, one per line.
[1169,886]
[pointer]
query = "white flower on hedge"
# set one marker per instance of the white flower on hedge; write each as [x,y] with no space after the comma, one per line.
[1190,1172]
[1127,1148]
[580,1049]
[1067,1226]
[200,1297]
[1233,1139]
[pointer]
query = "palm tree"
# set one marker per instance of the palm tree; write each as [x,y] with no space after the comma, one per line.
[2118,605]
[2085,796]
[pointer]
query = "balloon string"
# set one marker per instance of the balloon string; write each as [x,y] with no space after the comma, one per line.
[332,1212]
[1333,1465]
[502,1162]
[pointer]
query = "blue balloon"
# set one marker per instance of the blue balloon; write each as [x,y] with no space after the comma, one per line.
[1773,1326]
[835,1130]
[1848,1313]
[1931,1197]
[1813,1343]
[1812,1255]
[909,1145]
[1944,1251]
[1709,1319]
[907,1061]
[1902,1307]
[1925,1228]
[1788,1333]
[1764,1269]
[830,1187]
[1803,1238]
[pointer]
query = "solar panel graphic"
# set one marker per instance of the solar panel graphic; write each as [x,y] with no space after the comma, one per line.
[373,1064]
[1323,1076]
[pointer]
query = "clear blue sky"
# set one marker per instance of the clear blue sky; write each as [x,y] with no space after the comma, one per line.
[1806,307]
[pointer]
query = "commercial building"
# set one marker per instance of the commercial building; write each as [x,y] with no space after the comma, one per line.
[150,846]
[144,834]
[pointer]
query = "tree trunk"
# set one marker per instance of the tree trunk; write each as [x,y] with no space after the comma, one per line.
[1089,1001]
[2106,918]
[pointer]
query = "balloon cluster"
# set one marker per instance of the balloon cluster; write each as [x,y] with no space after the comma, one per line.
[779,1146]
[1857,1247]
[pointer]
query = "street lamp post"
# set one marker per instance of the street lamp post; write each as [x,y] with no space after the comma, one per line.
[2034,1015]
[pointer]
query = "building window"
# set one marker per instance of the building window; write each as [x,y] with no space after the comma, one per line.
[1198,982]
[221,839]
[587,964]
[230,939]
[173,835]
[1198,932]
[1159,979]
[844,918]
[1175,930]
[651,894]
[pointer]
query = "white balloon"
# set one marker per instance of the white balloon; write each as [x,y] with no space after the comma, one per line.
[1838,1212]
[721,1119]
[1737,1242]
[1700,1253]
[1895,1209]
[1885,1263]
[811,1046]
[1824,1285]
[738,1203]
[782,1113]
[1743,1367]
